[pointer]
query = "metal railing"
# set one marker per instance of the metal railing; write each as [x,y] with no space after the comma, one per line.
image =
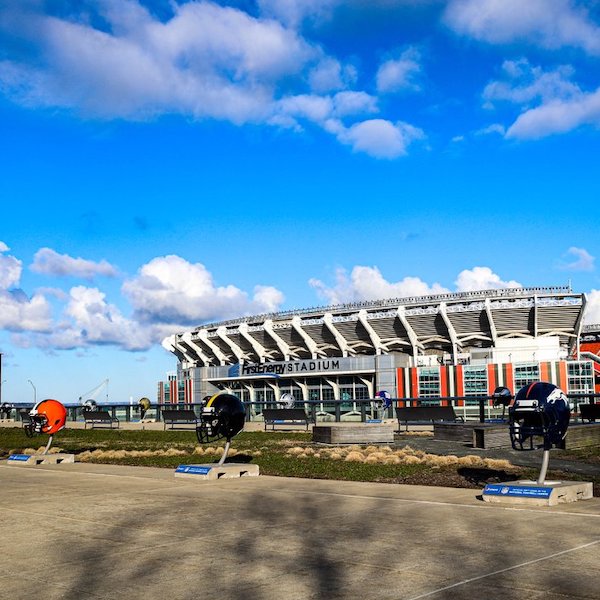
[470,408]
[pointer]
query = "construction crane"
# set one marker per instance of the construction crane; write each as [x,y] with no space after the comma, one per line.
[90,397]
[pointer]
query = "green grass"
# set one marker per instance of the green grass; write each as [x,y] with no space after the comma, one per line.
[272,446]
[267,449]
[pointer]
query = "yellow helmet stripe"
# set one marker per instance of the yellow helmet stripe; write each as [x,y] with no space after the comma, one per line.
[209,403]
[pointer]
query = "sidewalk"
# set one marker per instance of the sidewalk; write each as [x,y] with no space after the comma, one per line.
[85,531]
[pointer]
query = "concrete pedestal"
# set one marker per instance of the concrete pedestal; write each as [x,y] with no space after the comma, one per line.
[215,471]
[550,493]
[31,460]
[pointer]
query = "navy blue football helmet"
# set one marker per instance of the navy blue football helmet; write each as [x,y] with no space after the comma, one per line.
[223,416]
[383,400]
[540,410]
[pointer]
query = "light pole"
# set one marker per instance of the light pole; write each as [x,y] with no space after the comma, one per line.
[34,392]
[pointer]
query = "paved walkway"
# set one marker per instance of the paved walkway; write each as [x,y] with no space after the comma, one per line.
[85,531]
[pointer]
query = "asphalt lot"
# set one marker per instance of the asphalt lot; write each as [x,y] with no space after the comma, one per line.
[102,531]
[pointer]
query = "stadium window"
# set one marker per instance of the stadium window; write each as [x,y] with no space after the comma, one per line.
[580,377]
[429,383]
[361,392]
[346,393]
[526,374]
[475,382]
[327,393]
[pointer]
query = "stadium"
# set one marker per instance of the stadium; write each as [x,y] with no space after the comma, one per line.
[451,345]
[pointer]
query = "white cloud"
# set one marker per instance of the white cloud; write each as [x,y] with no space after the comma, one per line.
[169,289]
[48,262]
[396,75]
[592,308]
[306,106]
[378,137]
[367,283]
[327,76]
[584,261]
[268,297]
[493,128]
[20,313]
[550,24]
[550,102]
[558,116]
[10,269]
[95,321]
[293,12]
[353,103]
[482,278]
[525,83]
[206,61]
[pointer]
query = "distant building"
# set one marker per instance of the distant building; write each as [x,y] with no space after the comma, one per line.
[463,344]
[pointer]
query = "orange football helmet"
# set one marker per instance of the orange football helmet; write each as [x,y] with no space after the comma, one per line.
[47,416]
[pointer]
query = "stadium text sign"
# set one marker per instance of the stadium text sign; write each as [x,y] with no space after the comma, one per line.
[285,368]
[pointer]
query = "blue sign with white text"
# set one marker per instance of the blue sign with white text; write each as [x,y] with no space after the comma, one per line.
[193,469]
[20,457]
[518,491]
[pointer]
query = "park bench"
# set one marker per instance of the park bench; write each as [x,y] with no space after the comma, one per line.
[99,418]
[589,412]
[178,418]
[431,414]
[285,416]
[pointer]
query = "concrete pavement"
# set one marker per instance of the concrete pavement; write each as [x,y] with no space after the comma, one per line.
[103,531]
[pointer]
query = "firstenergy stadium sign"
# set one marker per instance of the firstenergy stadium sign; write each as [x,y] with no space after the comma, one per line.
[301,367]
[288,368]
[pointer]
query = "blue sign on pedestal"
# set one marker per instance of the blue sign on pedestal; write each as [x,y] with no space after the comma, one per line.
[193,469]
[19,457]
[518,491]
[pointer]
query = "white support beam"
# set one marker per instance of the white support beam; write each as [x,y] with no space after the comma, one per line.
[203,335]
[451,332]
[170,344]
[281,343]
[239,353]
[339,338]
[412,336]
[488,312]
[258,348]
[370,385]
[378,345]
[310,343]
[204,358]
[335,386]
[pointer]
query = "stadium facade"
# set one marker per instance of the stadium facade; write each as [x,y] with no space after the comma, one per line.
[463,344]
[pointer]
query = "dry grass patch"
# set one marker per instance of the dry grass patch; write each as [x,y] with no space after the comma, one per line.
[384,455]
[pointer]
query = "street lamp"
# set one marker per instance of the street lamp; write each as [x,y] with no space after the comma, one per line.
[34,392]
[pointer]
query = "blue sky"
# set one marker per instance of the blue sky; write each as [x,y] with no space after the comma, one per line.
[167,164]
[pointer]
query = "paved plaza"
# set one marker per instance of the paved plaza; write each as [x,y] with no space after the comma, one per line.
[84,531]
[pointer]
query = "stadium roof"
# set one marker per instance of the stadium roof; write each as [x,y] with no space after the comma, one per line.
[450,323]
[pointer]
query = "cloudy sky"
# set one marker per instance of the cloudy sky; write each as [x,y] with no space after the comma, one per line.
[168,163]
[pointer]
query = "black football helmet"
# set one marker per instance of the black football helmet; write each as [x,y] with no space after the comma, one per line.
[222,416]
[540,410]
[502,396]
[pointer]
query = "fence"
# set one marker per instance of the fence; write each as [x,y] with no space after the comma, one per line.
[470,408]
